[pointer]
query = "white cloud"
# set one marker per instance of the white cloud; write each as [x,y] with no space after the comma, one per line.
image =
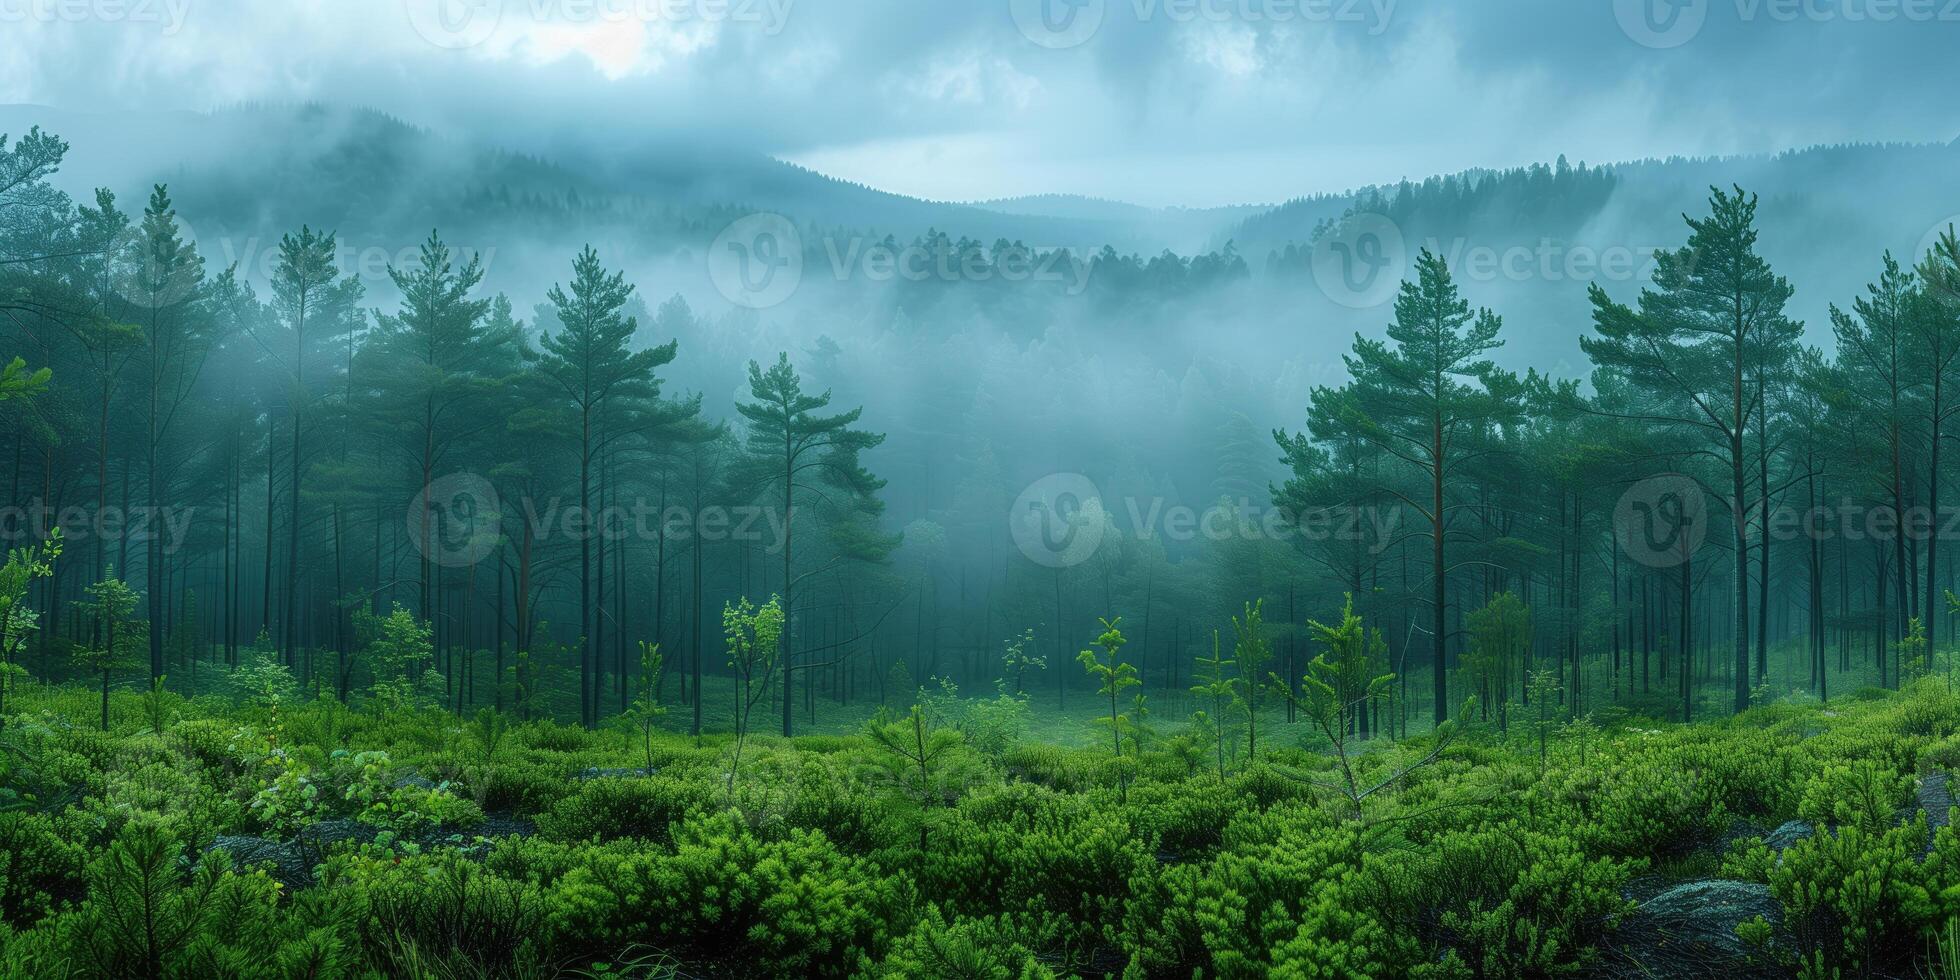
[875,89]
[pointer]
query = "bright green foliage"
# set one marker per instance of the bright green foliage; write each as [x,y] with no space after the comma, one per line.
[987,948]
[1865,793]
[1914,661]
[1218,687]
[1543,692]
[1252,650]
[990,725]
[793,906]
[17,616]
[16,381]
[1020,657]
[263,681]
[40,866]
[1500,642]
[916,756]
[111,605]
[1858,897]
[147,916]
[1342,678]
[645,712]
[642,808]
[754,637]
[895,851]
[1112,675]
[398,656]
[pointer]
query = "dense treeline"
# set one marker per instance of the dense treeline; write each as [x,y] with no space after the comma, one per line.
[1716,513]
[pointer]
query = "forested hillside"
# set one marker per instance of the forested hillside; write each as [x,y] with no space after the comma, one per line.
[463,576]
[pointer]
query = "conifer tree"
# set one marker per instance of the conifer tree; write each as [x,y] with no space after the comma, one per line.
[590,361]
[1693,342]
[798,458]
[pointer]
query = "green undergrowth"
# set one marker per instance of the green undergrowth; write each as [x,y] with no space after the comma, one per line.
[485,849]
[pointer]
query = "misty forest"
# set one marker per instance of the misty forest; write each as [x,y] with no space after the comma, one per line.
[442,557]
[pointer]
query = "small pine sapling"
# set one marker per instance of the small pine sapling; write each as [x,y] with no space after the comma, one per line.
[1545,691]
[645,711]
[1218,687]
[1253,650]
[754,638]
[1113,677]
[1338,682]
[1021,658]
[914,748]
[113,604]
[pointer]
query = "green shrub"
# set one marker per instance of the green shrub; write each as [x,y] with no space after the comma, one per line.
[445,916]
[41,867]
[1865,794]
[1859,897]
[989,948]
[642,807]
[796,906]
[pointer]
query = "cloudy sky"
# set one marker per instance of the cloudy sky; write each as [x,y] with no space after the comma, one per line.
[1164,102]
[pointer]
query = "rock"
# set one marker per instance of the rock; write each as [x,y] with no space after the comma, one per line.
[1689,931]
[1739,830]
[412,780]
[327,833]
[292,861]
[1786,836]
[291,864]
[504,826]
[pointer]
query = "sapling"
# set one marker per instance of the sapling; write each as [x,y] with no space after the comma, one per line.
[1253,651]
[17,615]
[1338,681]
[754,636]
[113,603]
[1545,690]
[1216,684]
[1112,675]
[1020,658]
[914,747]
[645,711]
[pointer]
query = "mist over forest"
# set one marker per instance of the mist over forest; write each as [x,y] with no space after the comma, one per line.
[1074,489]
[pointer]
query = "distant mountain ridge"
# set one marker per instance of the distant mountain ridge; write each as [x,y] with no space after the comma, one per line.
[249,173]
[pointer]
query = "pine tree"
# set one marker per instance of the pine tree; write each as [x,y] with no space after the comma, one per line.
[1430,398]
[162,281]
[797,456]
[1712,319]
[589,360]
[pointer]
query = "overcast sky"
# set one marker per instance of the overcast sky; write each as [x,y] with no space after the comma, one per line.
[1156,101]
